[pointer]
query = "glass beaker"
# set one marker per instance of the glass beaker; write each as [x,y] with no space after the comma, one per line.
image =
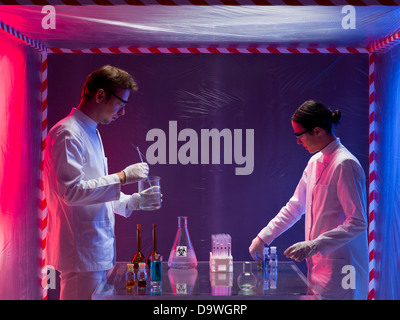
[247,280]
[182,254]
[150,193]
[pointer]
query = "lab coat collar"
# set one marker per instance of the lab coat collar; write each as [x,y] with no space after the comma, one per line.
[330,149]
[87,121]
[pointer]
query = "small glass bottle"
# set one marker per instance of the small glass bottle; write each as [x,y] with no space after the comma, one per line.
[266,258]
[154,252]
[156,270]
[130,279]
[142,275]
[139,257]
[273,262]
[182,254]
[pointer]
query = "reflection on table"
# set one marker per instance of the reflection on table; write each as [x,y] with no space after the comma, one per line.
[284,282]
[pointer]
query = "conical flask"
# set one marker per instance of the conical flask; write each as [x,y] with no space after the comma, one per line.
[182,254]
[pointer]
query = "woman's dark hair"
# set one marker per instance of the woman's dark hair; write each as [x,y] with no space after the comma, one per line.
[313,114]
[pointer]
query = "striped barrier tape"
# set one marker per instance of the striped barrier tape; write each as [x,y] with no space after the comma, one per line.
[43,203]
[209,50]
[372,190]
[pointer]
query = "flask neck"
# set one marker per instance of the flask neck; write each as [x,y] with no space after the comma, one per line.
[182,222]
[138,237]
[154,238]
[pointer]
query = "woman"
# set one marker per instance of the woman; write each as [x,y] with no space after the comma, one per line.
[332,195]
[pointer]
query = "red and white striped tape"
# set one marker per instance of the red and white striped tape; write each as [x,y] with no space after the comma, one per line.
[386,43]
[17,35]
[372,190]
[43,203]
[209,50]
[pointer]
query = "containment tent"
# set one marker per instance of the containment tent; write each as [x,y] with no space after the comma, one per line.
[217,87]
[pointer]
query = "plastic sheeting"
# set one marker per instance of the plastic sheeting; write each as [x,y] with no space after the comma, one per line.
[256,92]
[203,92]
[193,26]
[20,134]
[387,84]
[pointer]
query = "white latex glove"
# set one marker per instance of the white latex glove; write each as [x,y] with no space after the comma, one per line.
[136,172]
[256,249]
[301,250]
[133,202]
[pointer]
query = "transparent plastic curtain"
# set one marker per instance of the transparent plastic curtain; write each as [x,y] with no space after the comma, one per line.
[187,93]
[20,130]
[387,84]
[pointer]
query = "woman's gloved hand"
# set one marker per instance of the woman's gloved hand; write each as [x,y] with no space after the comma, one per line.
[256,249]
[301,250]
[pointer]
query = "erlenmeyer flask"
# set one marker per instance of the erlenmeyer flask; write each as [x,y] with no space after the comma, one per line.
[182,254]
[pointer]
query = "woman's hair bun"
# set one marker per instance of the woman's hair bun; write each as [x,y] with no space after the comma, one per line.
[336,116]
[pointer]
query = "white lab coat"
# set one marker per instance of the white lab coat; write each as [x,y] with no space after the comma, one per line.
[332,194]
[81,197]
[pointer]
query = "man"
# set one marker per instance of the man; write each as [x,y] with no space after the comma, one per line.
[332,194]
[81,196]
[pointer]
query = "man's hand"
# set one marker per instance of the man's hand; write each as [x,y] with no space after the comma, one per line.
[135,172]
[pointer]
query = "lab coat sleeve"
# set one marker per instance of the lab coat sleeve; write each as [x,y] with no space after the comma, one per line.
[288,215]
[70,182]
[351,191]
[120,206]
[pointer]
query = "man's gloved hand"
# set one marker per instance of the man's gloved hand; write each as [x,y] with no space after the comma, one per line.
[152,196]
[301,250]
[136,172]
[133,202]
[256,249]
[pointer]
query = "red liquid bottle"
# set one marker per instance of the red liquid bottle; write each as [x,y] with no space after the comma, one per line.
[138,257]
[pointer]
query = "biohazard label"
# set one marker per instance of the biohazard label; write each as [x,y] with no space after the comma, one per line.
[181,251]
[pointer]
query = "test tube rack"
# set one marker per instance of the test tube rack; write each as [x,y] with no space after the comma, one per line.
[221,259]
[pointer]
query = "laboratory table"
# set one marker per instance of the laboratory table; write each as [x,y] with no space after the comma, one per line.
[286,282]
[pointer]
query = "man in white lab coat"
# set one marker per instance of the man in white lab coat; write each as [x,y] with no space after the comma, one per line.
[332,194]
[81,196]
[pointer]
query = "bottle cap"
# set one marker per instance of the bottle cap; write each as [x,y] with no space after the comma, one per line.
[273,249]
[130,265]
[142,265]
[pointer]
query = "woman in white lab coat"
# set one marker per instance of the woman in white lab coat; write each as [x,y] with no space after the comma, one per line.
[332,195]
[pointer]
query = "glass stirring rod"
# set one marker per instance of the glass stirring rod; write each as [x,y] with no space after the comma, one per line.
[141,159]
